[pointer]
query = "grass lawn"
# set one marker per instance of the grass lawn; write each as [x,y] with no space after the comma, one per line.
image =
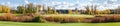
[70,15]
[4,23]
[2,14]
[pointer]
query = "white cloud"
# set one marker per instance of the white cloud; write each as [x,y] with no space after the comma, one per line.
[50,3]
[26,1]
[113,0]
[77,1]
[68,5]
[80,5]
[89,3]
[106,2]
[44,0]
[61,5]
[90,0]
[108,6]
[8,3]
[102,7]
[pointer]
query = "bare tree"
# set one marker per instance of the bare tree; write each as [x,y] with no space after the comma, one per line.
[76,11]
[38,8]
[87,9]
[117,11]
[91,9]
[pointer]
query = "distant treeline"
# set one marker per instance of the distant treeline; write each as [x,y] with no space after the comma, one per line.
[31,8]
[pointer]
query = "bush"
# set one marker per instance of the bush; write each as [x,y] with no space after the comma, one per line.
[98,20]
[101,19]
[20,19]
[50,19]
[23,19]
[65,20]
[73,19]
[58,19]
[116,18]
[37,19]
[2,18]
[8,16]
[13,18]
[86,20]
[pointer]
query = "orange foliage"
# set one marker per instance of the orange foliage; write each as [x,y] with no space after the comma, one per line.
[8,16]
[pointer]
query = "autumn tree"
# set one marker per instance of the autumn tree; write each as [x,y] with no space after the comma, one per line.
[38,8]
[94,9]
[87,9]
[0,8]
[49,10]
[76,11]
[117,10]
[5,9]
[21,9]
[30,8]
[91,12]
[98,12]
[54,11]
[44,10]
[91,9]
[107,11]
[69,11]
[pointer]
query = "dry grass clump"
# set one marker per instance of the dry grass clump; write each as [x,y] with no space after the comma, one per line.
[101,19]
[22,18]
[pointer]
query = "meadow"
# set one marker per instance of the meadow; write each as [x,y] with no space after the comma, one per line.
[6,23]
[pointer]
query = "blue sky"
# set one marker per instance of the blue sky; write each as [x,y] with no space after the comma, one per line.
[65,4]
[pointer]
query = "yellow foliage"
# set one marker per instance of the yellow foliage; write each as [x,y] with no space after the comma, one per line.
[91,12]
[70,11]
[38,8]
[0,8]
[5,9]
[98,12]
[77,12]
[107,11]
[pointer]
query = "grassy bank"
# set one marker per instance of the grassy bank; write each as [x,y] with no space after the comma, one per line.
[4,23]
[2,14]
[70,15]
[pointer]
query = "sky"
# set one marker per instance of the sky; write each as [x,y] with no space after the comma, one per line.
[65,4]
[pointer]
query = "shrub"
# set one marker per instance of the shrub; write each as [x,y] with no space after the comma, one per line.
[65,20]
[110,19]
[2,18]
[37,19]
[58,19]
[98,20]
[86,20]
[24,19]
[20,19]
[73,19]
[30,14]
[8,16]
[28,18]
[50,19]
[116,18]
[14,19]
